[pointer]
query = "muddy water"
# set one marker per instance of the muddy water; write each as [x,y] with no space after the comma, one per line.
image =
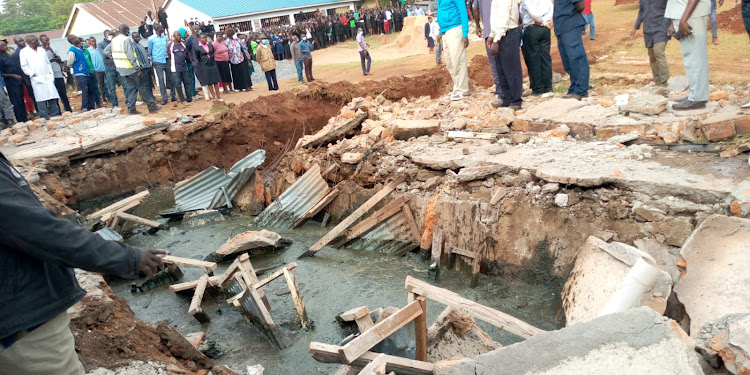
[331,282]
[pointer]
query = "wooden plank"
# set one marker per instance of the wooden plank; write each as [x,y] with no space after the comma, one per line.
[437,243]
[265,317]
[212,281]
[296,296]
[114,222]
[364,323]
[112,215]
[275,275]
[379,332]
[420,331]
[466,253]
[118,205]
[317,207]
[194,263]
[237,297]
[195,338]
[376,367]
[326,353]
[227,275]
[139,220]
[412,224]
[472,135]
[358,213]
[195,305]
[331,168]
[378,217]
[489,315]
[354,314]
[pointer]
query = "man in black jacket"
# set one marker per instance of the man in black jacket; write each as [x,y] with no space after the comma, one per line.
[38,252]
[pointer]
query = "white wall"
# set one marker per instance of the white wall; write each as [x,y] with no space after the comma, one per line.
[85,24]
[177,13]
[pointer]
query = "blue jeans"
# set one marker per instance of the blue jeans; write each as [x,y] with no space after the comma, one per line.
[493,69]
[180,79]
[110,79]
[590,22]
[273,84]
[300,66]
[365,56]
[87,85]
[575,61]
[48,108]
[191,72]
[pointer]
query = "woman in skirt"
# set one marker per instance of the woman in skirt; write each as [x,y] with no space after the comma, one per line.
[238,62]
[221,55]
[204,53]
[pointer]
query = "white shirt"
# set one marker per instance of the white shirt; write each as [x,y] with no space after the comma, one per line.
[388,15]
[434,30]
[675,9]
[419,12]
[361,42]
[504,16]
[534,11]
[36,65]
[149,20]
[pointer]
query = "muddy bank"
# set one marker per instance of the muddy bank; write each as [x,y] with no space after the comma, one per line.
[225,135]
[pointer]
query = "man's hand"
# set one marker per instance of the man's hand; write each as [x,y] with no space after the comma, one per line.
[151,261]
[495,48]
[16,77]
[479,31]
[684,29]
[488,42]
[632,33]
[439,38]
[466,42]
[670,30]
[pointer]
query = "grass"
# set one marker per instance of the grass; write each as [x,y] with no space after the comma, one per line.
[219,109]
[376,63]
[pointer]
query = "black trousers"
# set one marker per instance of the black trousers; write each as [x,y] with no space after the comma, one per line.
[508,65]
[60,86]
[536,54]
[273,84]
[15,94]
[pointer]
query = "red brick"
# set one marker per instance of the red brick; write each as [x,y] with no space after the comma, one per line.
[625,129]
[538,127]
[521,125]
[718,130]
[605,133]
[742,126]
[149,121]
[582,130]
[96,114]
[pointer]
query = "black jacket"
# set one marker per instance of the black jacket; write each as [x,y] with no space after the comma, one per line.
[38,252]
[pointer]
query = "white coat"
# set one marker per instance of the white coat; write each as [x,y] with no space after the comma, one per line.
[36,65]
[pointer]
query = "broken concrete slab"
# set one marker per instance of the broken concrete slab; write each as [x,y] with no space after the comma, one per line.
[352,157]
[250,240]
[646,103]
[720,125]
[476,173]
[733,346]
[201,217]
[715,284]
[713,335]
[337,127]
[638,341]
[678,84]
[405,129]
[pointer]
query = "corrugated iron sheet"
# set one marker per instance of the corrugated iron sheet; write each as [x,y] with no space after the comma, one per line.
[210,188]
[295,201]
[109,234]
[392,236]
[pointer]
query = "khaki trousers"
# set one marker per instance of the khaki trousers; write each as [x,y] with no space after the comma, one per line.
[455,59]
[659,65]
[47,350]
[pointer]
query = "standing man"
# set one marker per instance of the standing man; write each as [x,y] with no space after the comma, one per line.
[364,52]
[144,60]
[82,72]
[97,60]
[689,25]
[588,15]
[268,64]
[12,75]
[35,64]
[434,34]
[714,21]
[111,77]
[569,25]
[537,25]
[297,57]
[39,252]
[193,69]
[20,45]
[57,67]
[454,28]
[6,108]
[655,27]
[179,60]
[306,49]
[482,10]
[504,43]
[162,16]
[122,51]
[157,48]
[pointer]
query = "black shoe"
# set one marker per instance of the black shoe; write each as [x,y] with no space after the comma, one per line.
[154,110]
[133,112]
[164,102]
[499,104]
[682,100]
[688,105]
[573,96]
[515,107]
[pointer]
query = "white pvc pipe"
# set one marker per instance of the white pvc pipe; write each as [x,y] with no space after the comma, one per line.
[638,281]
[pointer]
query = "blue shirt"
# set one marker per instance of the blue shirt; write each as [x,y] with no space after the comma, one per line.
[452,14]
[157,47]
[97,59]
[80,66]
[565,16]
[305,47]
[279,47]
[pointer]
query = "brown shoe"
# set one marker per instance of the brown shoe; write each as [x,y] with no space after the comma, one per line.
[688,105]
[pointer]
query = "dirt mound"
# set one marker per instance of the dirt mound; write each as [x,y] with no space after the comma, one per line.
[731,20]
[412,35]
[480,72]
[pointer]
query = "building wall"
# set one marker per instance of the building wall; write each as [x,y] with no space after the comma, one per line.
[284,13]
[85,24]
[177,13]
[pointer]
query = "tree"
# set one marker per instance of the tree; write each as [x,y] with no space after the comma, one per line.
[28,16]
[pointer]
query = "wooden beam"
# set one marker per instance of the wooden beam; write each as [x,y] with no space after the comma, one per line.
[378,217]
[227,275]
[291,282]
[376,367]
[466,253]
[195,305]
[112,215]
[194,263]
[354,314]
[412,223]
[212,281]
[329,170]
[489,315]
[253,294]
[379,332]
[118,205]
[364,323]
[317,207]
[275,275]
[326,353]
[437,244]
[139,220]
[358,213]
[420,331]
